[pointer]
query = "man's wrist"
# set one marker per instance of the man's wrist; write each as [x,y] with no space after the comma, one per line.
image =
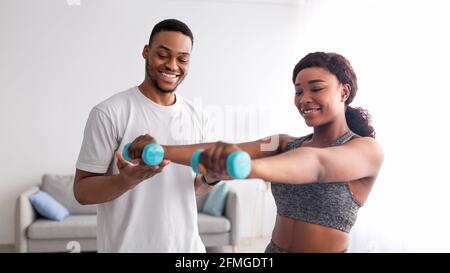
[209,183]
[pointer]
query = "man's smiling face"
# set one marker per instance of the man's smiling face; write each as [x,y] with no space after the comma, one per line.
[167,60]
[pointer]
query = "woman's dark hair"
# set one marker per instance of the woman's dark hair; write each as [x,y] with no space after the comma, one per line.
[358,119]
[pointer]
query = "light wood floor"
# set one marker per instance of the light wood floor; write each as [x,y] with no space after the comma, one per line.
[6,248]
[248,245]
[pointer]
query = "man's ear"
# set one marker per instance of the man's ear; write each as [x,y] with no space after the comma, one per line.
[145,52]
[345,92]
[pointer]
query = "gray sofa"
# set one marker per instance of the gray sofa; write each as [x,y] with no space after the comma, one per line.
[78,231]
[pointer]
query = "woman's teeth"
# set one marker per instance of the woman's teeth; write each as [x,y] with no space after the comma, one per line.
[310,111]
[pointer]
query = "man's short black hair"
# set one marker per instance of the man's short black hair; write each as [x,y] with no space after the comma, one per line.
[171,25]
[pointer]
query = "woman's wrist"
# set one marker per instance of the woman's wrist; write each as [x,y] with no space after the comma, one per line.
[177,154]
[167,152]
[254,169]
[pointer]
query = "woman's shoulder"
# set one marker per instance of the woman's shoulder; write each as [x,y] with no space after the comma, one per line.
[367,145]
[288,140]
[363,139]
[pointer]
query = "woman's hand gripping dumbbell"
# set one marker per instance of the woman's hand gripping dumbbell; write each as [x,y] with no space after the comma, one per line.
[132,167]
[152,154]
[144,150]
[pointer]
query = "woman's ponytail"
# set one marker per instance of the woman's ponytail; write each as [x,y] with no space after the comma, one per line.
[359,121]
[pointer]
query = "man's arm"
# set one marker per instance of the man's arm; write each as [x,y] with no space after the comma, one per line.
[94,188]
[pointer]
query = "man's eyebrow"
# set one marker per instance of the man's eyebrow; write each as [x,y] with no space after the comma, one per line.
[169,49]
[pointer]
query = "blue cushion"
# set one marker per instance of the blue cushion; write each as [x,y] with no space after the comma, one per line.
[48,207]
[215,202]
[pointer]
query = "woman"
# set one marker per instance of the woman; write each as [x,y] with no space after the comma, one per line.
[319,181]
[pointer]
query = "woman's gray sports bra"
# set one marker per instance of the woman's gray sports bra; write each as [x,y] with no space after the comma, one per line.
[330,204]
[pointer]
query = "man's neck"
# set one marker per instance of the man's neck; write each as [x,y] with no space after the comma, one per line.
[161,98]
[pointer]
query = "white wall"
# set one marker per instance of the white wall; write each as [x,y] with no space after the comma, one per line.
[58,60]
[400,52]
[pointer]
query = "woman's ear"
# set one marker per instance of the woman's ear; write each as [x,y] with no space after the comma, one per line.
[345,92]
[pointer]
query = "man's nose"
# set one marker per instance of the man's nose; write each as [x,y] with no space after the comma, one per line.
[171,64]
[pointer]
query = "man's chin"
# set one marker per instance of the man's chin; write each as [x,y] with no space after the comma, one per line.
[165,89]
[162,90]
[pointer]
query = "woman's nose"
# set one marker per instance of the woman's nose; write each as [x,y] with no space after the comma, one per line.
[305,98]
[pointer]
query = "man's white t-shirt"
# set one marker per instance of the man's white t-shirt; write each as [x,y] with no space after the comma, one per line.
[159,214]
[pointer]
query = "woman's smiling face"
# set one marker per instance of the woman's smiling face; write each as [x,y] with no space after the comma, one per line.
[319,96]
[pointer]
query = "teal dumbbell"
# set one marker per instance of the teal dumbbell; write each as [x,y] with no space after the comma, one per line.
[238,164]
[152,154]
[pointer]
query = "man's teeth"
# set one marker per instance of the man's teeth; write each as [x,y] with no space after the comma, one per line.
[169,75]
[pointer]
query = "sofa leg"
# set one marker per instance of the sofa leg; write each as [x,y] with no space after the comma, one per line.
[234,248]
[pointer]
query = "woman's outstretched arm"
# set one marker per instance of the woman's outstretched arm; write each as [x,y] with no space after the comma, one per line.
[359,158]
[181,154]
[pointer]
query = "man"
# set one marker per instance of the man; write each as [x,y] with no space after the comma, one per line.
[145,208]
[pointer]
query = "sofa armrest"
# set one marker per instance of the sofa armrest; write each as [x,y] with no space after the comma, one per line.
[24,216]
[233,213]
